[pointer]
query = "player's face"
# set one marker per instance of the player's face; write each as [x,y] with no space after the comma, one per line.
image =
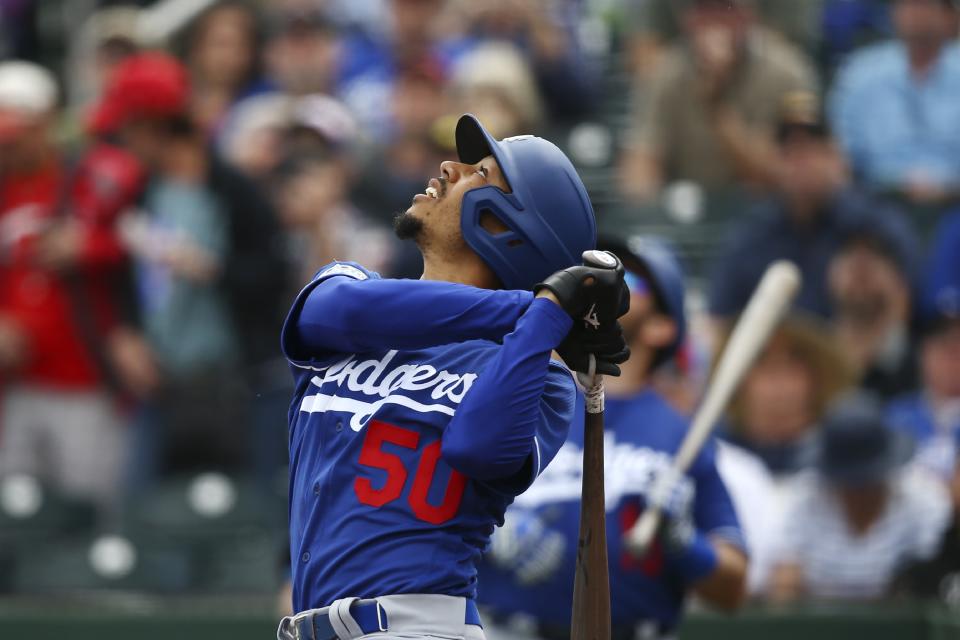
[434,216]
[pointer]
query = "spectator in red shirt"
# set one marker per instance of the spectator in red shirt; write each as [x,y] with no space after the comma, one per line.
[60,264]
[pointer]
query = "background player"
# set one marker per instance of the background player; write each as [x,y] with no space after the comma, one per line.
[701,548]
[423,407]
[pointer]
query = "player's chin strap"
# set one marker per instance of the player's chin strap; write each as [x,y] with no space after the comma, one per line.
[592,383]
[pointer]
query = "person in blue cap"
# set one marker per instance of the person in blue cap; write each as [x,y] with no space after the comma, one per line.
[527,580]
[862,516]
[423,407]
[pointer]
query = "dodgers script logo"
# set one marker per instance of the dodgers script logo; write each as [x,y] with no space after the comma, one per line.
[382,383]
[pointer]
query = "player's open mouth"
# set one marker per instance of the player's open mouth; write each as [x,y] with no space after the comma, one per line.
[433,188]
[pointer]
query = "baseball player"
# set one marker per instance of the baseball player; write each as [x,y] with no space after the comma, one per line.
[423,408]
[529,574]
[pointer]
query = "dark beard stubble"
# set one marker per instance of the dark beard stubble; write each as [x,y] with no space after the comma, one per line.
[407,227]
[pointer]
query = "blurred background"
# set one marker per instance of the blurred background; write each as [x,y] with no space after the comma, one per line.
[171,173]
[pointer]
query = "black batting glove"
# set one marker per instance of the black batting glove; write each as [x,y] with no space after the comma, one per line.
[594,293]
[608,345]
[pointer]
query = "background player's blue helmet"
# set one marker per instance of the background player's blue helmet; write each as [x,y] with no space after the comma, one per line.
[548,215]
[653,258]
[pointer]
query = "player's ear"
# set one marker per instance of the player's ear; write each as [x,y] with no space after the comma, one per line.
[659,331]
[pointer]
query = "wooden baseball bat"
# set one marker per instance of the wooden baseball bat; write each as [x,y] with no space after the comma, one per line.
[769,302]
[591,583]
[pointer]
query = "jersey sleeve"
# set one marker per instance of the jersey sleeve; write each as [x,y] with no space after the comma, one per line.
[357,311]
[290,340]
[713,510]
[515,417]
[558,406]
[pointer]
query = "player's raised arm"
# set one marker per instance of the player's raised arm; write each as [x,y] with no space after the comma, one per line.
[348,310]
[520,399]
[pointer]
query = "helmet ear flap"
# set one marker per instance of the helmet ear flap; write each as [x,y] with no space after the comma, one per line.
[500,242]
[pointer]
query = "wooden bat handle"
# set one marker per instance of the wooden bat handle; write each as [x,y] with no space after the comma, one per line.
[591,586]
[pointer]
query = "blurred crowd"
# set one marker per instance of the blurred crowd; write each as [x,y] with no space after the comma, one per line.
[169,178]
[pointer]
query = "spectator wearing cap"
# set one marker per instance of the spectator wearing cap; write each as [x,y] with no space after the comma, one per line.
[777,409]
[251,138]
[65,352]
[802,221]
[870,279]
[895,105]
[208,271]
[862,516]
[931,415]
[533,556]
[710,112]
[263,128]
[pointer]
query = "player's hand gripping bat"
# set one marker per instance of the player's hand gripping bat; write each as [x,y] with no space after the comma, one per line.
[771,299]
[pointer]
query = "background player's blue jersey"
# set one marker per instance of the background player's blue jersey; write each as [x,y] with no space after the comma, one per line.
[638,431]
[375,508]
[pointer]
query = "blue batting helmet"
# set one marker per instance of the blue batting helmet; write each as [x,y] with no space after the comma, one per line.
[653,258]
[548,215]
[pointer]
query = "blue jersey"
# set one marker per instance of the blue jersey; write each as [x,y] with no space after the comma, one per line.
[383,497]
[641,433]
